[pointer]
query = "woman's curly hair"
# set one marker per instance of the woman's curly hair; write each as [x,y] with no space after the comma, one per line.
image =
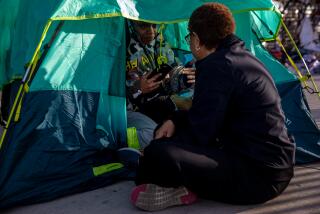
[212,22]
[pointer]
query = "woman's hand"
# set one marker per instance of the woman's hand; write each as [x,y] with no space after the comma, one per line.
[166,130]
[149,85]
[190,73]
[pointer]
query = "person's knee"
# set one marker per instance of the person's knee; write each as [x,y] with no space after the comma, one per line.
[144,127]
[159,149]
[145,136]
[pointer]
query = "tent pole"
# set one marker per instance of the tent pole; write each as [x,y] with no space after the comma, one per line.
[309,76]
[30,72]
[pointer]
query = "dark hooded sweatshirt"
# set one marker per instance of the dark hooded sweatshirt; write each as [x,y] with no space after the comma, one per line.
[236,106]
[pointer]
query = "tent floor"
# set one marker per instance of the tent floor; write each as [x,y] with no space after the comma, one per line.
[302,195]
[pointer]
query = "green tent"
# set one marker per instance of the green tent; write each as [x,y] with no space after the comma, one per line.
[23,23]
[69,116]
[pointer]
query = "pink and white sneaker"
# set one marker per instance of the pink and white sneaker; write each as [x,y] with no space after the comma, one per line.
[151,197]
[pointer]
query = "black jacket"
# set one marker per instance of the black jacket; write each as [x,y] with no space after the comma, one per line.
[236,105]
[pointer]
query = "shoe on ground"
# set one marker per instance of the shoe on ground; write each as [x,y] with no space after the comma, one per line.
[151,197]
[129,157]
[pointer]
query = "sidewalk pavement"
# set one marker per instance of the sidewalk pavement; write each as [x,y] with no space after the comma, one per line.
[302,196]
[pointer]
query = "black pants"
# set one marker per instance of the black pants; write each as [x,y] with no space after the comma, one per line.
[210,172]
[158,109]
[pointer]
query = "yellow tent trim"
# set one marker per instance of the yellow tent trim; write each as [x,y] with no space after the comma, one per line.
[117,14]
[132,138]
[100,170]
[309,76]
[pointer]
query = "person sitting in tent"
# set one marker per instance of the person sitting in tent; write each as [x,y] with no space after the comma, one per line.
[232,145]
[153,76]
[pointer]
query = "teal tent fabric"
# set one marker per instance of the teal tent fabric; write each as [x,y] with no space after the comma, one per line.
[7,22]
[73,116]
[299,122]
[154,10]
[28,21]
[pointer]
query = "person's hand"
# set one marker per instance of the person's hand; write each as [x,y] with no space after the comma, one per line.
[166,130]
[149,85]
[190,73]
